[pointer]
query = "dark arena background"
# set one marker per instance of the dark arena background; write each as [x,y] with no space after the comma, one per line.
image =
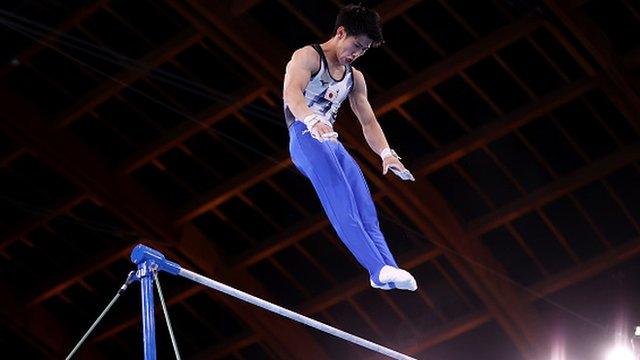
[160,122]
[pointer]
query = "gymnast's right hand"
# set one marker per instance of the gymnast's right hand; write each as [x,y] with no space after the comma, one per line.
[320,128]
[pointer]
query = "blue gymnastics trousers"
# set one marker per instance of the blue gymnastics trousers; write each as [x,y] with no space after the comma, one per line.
[344,195]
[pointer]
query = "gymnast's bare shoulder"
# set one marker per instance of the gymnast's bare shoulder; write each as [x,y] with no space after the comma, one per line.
[304,59]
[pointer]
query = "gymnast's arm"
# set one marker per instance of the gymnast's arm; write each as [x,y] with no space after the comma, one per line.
[303,63]
[361,107]
[370,127]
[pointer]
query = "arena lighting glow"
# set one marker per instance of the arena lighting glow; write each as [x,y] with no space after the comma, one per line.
[620,352]
[623,345]
[558,348]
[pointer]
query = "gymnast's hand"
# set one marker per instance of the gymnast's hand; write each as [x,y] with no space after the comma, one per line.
[322,132]
[391,161]
[320,128]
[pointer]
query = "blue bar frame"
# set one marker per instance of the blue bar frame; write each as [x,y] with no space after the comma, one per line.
[148,261]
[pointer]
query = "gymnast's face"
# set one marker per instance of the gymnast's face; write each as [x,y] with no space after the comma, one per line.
[350,47]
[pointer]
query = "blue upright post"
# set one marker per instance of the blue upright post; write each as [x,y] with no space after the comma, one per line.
[148,322]
[147,260]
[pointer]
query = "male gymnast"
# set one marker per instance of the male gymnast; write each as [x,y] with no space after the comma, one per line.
[318,78]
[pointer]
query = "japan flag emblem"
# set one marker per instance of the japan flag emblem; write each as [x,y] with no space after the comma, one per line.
[331,94]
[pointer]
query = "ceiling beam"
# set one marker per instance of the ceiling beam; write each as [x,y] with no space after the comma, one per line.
[136,71]
[68,155]
[390,9]
[596,42]
[19,229]
[200,20]
[502,126]
[554,190]
[233,186]
[449,331]
[631,60]
[39,327]
[69,23]
[239,7]
[74,273]
[586,270]
[189,128]
[12,155]
[225,349]
[453,64]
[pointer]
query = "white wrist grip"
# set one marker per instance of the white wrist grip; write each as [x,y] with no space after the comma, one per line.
[386,152]
[312,120]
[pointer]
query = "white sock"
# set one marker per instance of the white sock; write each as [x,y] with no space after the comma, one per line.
[400,278]
[383,286]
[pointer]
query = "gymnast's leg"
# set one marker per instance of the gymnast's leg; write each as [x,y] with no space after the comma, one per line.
[319,162]
[369,217]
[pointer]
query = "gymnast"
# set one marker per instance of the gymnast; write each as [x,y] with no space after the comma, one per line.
[318,78]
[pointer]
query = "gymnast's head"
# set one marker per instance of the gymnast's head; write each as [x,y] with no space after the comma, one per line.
[356,30]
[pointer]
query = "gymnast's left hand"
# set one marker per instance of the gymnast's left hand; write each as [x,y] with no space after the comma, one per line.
[393,163]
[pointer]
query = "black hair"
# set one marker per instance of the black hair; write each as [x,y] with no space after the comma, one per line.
[359,20]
